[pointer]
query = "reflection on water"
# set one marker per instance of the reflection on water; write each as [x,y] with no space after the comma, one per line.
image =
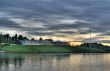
[9,62]
[54,62]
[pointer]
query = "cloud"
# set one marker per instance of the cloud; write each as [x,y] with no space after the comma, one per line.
[55,17]
[27,23]
[76,25]
[8,24]
[39,33]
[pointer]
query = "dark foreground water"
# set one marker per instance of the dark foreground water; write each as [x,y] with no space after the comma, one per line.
[54,62]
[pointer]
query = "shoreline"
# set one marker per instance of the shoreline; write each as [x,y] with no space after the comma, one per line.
[51,49]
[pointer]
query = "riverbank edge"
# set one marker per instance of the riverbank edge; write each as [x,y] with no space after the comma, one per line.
[50,49]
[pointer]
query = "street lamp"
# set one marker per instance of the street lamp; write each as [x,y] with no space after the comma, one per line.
[90,39]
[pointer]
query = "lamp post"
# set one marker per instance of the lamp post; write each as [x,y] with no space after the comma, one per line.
[90,39]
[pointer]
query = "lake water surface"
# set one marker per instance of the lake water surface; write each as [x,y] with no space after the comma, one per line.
[54,62]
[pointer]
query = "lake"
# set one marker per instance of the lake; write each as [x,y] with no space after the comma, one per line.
[54,62]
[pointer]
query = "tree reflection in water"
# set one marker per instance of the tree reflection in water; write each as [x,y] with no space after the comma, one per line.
[10,60]
[54,62]
[33,61]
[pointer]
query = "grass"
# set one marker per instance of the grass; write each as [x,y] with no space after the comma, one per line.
[88,50]
[40,48]
[52,49]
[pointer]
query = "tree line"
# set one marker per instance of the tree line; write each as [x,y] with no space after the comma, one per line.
[7,38]
[92,45]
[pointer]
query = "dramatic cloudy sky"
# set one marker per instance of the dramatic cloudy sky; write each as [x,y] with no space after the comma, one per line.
[69,20]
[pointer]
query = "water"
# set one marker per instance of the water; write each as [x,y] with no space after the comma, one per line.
[54,62]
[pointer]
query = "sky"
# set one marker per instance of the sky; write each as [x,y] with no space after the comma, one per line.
[66,20]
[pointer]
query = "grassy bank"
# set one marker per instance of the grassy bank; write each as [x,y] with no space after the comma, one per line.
[40,48]
[52,49]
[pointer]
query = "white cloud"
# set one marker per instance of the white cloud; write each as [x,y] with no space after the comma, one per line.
[17,20]
[11,31]
[27,23]
[68,21]
[71,21]
[3,14]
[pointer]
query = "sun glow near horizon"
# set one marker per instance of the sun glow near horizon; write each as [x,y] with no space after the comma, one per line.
[79,39]
[75,39]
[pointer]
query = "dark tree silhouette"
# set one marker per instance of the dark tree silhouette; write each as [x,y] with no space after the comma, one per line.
[25,38]
[32,39]
[16,38]
[20,37]
[40,39]
[6,38]
[92,45]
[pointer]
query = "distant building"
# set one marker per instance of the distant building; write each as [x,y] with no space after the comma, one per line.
[43,42]
[35,42]
[60,43]
[51,40]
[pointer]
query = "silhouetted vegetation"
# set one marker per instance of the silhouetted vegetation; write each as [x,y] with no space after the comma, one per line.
[83,48]
[6,38]
[92,45]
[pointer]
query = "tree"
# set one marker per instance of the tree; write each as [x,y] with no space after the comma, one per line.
[0,38]
[7,36]
[25,38]
[20,37]
[40,39]
[32,39]
[13,39]
[16,38]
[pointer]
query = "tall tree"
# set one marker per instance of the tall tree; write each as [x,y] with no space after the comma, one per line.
[7,36]
[16,38]
[20,37]
[11,39]
[25,38]
[0,38]
[40,39]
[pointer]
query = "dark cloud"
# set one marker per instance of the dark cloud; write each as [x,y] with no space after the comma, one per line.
[67,32]
[95,13]
[38,33]
[5,23]
[75,25]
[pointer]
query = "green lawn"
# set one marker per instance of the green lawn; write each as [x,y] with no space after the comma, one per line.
[52,49]
[88,50]
[40,48]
